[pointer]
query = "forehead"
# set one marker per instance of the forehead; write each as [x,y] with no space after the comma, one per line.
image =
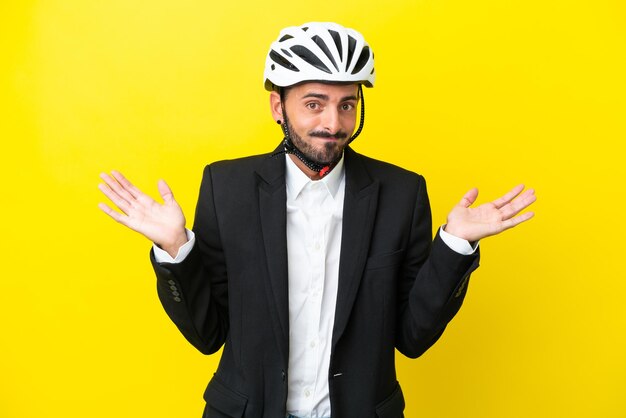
[333,91]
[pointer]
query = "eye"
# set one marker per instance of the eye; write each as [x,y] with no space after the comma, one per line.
[313,105]
[346,107]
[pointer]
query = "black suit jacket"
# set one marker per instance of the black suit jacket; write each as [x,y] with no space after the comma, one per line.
[397,288]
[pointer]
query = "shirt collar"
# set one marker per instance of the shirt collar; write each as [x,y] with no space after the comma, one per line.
[296,179]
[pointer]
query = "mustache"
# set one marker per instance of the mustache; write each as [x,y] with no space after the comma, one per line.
[324,134]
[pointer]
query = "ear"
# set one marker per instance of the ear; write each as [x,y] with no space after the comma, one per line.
[275,106]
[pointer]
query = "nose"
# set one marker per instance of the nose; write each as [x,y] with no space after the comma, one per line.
[330,120]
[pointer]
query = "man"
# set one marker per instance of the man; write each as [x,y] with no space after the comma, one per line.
[313,263]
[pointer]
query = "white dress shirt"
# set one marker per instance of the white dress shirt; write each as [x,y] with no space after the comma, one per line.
[314,219]
[314,225]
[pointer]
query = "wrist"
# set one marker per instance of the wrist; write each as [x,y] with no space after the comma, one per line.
[461,233]
[452,230]
[172,246]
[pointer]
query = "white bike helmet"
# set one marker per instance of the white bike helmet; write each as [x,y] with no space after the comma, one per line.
[319,51]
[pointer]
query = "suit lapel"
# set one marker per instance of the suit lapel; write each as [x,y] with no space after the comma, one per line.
[273,211]
[359,211]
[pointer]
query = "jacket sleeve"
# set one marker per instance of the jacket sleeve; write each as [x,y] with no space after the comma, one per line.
[433,283]
[194,293]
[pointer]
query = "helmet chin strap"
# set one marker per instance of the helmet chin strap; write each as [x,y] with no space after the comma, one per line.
[321,168]
[290,148]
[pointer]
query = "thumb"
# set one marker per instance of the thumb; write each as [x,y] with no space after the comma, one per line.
[469,198]
[165,191]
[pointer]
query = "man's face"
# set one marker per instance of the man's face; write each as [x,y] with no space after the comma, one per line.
[321,118]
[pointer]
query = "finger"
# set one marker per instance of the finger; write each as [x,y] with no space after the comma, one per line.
[498,203]
[519,204]
[510,223]
[165,191]
[469,198]
[113,214]
[137,194]
[134,191]
[122,204]
[117,188]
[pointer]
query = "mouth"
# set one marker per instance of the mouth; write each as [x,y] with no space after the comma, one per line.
[329,138]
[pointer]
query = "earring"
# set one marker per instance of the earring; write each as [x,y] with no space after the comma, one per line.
[279,122]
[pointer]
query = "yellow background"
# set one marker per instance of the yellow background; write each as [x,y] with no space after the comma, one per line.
[484,93]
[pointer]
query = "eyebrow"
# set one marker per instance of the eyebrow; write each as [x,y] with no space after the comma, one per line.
[325,97]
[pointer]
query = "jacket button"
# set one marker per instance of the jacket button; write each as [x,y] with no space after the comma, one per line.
[284,375]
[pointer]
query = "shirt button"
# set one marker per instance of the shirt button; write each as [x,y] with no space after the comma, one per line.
[317,246]
[312,344]
[307,393]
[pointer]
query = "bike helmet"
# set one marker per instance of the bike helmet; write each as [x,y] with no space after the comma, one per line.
[319,51]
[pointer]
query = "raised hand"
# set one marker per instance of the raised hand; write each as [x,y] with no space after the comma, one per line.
[163,224]
[491,218]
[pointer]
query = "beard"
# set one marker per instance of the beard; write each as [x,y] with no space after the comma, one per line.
[328,152]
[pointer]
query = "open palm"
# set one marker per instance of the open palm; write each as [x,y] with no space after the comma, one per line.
[490,218]
[163,224]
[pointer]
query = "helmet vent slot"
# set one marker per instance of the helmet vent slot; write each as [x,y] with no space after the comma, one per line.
[337,39]
[351,46]
[278,59]
[325,49]
[309,57]
[363,58]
